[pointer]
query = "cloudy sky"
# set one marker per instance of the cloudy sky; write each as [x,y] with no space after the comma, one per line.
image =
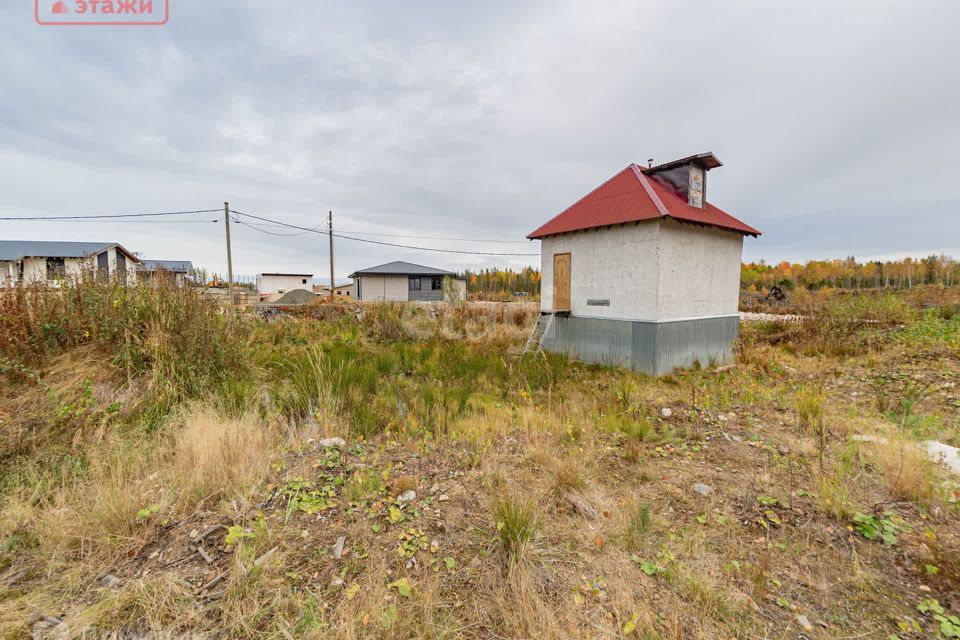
[837,123]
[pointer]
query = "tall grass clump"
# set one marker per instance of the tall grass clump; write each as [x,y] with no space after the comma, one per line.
[638,526]
[517,522]
[850,324]
[175,335]
[810,402]
[218,458]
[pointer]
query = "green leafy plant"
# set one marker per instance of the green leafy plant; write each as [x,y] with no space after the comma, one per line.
[147,511]
[411,541]
[402,586]
[874,527]
[236,533]
[949,624]
[303,495]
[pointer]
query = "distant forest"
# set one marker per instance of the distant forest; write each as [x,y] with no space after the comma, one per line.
[851,274]
[760,277]
[503,283]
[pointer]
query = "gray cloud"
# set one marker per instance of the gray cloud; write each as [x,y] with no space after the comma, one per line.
[835,121]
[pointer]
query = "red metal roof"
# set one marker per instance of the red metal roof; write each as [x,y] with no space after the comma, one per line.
[632,196]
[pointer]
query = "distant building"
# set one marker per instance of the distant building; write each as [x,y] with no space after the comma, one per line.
[404,282]
[340,290]
[268,283]
[174,271]
[643,272]
[50,262]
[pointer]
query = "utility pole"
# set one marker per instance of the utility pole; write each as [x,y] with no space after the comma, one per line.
[330,234]
[226,221]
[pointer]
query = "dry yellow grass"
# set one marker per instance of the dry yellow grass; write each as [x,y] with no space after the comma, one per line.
[549,520]
[217,458]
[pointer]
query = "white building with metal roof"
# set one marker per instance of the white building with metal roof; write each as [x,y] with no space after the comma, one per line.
[48,262]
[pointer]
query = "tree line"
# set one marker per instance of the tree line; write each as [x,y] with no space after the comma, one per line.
[503,282]
[847,273]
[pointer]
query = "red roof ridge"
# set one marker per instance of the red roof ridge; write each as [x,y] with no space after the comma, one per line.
[657,202]
[601,186]
[635,197]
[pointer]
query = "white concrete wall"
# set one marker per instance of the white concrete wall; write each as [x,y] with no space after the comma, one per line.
[461,285]
[9,272]
[654,270]
[35,269]
[617,264]
[387,287]
[91,262]
[699,271]
[273,283]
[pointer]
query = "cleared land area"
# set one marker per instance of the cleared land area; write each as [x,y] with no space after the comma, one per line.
[405,472]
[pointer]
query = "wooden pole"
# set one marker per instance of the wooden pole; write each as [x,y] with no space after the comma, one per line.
[330,234]
[226,221]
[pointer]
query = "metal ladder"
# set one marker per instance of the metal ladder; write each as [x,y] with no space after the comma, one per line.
[543,334]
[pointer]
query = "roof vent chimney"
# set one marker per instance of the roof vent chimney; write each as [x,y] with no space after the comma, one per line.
[649,162]
[687,176]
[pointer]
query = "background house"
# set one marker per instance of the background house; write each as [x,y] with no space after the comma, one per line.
[49,262]
[643,272]
[177,272]
[403,282]
[344,290]
[268,283]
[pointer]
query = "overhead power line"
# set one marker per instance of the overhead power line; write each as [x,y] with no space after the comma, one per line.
[378,242]
[406,246]
[413,237]
[395,235]
[108,216]
[139,216]
[272,233]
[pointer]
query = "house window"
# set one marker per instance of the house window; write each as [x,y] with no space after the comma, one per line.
[436,284]
[414,283]
[56,268]
[304,281]
[103,266]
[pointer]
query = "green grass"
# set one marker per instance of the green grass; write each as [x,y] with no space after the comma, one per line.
[517,522]
[931,331]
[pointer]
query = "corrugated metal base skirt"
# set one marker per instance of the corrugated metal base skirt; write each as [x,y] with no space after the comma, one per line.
[656,348]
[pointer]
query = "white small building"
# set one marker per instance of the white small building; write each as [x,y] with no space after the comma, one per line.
[643,272]
[50,262]
[404,282]
[344,290]
[268,283]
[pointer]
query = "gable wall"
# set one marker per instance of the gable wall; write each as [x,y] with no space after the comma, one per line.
[618,264]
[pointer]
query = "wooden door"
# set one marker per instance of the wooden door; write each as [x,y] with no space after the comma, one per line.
[561,282]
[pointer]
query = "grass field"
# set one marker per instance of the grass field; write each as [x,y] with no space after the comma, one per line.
[164,473]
